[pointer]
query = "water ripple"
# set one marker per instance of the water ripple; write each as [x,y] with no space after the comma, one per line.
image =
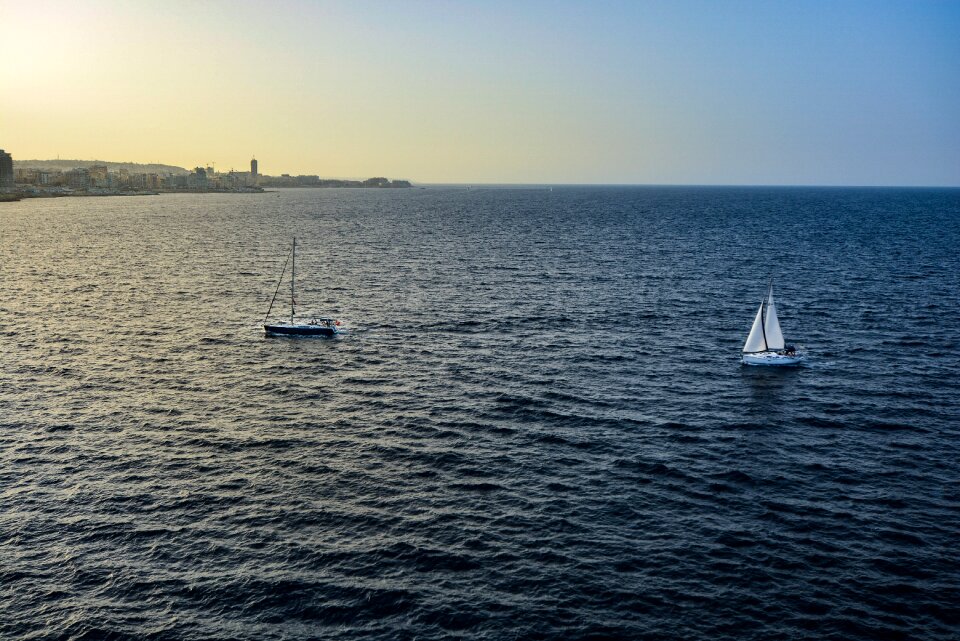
[535,426]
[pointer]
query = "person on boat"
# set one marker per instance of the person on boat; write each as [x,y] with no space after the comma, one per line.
[790,350]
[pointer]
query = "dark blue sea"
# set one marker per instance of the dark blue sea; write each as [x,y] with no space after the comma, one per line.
[537,425]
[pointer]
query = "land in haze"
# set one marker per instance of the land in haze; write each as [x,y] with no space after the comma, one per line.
[48,178]
[132,167]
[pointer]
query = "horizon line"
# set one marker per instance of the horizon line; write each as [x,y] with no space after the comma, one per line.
[614,184]
[462,183]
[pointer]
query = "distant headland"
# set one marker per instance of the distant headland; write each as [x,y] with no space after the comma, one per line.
[132,167]
[286,180]
[52,178]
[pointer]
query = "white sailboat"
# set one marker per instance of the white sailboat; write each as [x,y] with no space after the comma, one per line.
[765,344]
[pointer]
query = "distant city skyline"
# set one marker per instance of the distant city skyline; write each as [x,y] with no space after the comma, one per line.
[850,93]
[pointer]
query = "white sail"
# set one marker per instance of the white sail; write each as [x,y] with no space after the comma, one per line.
[755,342]
[771,326]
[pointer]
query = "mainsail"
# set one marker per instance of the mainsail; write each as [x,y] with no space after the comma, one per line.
[771,325]
[755,341]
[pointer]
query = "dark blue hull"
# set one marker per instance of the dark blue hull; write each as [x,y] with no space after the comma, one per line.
[299,330]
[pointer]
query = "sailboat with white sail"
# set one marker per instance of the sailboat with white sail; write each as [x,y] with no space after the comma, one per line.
[314,327]
[765,344]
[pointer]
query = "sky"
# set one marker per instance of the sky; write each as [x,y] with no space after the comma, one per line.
[635,92]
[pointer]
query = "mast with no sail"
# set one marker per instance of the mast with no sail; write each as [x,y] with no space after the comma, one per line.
[293,270]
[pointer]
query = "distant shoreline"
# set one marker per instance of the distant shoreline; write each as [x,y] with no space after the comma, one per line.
[55,178]
[18,196]
[357,186]
[86,194]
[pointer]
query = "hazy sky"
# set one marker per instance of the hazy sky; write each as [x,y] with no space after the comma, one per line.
[547,92]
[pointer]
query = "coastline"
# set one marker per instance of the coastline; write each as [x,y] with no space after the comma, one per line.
[17,196]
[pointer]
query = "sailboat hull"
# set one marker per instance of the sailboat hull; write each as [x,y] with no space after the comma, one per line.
[772,358]
[299,330]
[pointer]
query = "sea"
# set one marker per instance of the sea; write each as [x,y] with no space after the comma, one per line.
[535,424]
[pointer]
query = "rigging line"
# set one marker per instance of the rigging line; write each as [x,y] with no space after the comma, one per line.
[763,323]
[279,282]
[763,315]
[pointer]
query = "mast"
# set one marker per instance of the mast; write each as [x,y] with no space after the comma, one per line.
[293,269]
[763,315]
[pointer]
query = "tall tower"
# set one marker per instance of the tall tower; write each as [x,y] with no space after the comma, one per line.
[6,171]
[253,171]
